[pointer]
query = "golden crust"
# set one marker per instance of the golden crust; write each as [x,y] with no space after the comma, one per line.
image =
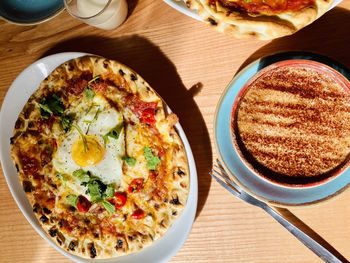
[89,234]
[263,27]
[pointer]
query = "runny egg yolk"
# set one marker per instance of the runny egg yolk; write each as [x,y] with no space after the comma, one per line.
[88,151]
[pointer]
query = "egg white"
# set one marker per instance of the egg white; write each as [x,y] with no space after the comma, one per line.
[98,118]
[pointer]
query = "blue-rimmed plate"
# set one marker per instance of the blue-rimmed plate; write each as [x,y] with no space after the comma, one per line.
[267,192]
[29,12]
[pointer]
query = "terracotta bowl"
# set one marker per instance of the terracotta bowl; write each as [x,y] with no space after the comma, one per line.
[248,160]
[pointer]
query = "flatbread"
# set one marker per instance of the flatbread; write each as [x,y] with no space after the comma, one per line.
[243,24]
[93,212]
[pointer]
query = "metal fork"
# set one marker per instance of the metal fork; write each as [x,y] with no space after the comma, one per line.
[219,174]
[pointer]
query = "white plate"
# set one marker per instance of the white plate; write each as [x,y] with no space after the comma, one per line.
[181,7]
[18,94]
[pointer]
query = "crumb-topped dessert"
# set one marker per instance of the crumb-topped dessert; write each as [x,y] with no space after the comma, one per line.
[292,123]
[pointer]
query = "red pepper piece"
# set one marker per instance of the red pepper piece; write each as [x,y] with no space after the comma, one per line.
[99,86]
[138,214]
[135,185]
[148,116]
[138,106]
[83,204]
[153,176]
[119,199]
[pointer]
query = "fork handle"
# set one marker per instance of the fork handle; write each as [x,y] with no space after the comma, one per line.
[312,244]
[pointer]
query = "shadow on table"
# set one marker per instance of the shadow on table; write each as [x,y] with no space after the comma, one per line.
[328,36]
[149,61]
[131,6]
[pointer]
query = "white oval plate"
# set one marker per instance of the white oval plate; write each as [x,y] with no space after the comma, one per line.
[181,7]
[18,94]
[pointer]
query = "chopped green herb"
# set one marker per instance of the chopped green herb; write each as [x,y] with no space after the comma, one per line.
[81,175]
[94,79]
[89,93]
[105,139]
[45,111]
[114,133]
[109,191]
[96,114]
[66,122]
[91,107]
[55,104]
[108,206]
[129,160]
[72,200]
[96,190]
[51,105]
[82,135]
[152,160]
[94,119]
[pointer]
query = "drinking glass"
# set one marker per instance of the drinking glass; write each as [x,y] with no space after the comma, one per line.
[104,14]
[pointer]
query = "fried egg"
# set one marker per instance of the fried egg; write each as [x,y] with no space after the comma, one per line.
[87,145]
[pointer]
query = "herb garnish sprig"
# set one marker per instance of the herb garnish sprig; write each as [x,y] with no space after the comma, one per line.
[82,135]
[114,133]
[51,105]
[152,160]
[96,189]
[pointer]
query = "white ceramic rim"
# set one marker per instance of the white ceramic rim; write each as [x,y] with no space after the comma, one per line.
[162,249]
[181,7]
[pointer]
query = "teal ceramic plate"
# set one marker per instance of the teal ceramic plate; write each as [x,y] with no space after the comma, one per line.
[29,12]
[267,192]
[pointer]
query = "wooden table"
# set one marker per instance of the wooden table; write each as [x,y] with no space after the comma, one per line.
[173,53]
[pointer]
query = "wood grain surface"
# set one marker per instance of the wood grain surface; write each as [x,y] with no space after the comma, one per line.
[173,53]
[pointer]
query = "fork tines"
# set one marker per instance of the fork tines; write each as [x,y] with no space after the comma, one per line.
[220,175]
